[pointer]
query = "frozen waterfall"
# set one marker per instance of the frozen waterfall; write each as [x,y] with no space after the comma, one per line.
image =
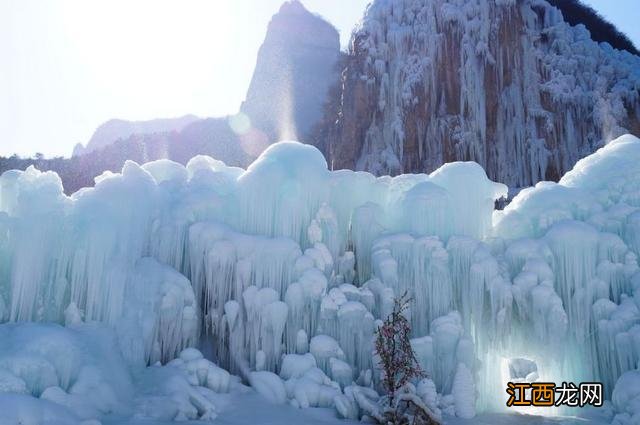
[283,271]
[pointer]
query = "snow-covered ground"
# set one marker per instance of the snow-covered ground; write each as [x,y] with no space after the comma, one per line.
[252,409]
[206,292]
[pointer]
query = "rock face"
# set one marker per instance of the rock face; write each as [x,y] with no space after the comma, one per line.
[506,83]
[115,129]
[294,70]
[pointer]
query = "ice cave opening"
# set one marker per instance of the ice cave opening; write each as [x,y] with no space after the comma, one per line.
[523,370]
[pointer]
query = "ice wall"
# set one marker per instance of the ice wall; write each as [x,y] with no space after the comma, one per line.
[288,267]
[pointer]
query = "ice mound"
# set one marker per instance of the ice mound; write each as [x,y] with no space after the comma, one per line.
[160,307]
[77,375]
[626,398]
[606,179]
[534,210]
[73,367]
[282,273]
[79,368]
[288,180]
[27,410]
[183,389]
[611,173]
[456,178]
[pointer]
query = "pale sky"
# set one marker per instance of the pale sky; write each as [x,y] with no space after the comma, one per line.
[66,66]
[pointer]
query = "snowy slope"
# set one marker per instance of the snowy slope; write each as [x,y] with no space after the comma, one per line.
[280,274]
[508,84]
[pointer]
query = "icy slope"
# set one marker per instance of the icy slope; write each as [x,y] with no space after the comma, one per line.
[280,274]
[508,84]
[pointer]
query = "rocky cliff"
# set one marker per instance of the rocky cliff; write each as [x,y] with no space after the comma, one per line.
[294,70]
[509,84]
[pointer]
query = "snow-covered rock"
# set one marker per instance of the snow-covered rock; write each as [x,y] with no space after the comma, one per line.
[509,85]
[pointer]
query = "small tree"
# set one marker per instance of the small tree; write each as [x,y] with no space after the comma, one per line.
[399,367]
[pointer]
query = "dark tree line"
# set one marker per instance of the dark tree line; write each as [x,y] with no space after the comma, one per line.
[80,171]
[208,137]
[575,12]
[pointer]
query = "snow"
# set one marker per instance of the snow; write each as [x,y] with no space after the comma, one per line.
[268,385]
[26,410]
[312,389]
[324,348]
[426,390]
[295,365]
[175,291]
[463,392]
[625,397]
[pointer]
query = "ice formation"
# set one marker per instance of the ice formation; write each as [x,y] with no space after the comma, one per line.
[74,375]
[508,84]
[281,273]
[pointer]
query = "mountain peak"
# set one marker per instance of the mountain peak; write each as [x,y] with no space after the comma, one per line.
[293,7]
[295,25]
[294,70]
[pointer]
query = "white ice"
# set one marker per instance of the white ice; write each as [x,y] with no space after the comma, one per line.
[165,288]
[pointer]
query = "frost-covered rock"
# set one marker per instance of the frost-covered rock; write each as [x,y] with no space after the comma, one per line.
[510,85]
[173,393]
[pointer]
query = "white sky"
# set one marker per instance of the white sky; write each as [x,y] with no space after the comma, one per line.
[66,66]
